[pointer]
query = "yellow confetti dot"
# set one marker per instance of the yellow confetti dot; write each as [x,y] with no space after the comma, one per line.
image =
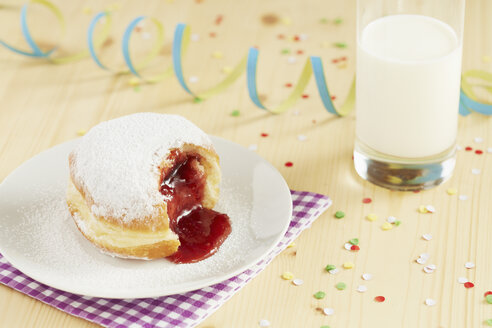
[372,217]
[134,81]
[348,265]
[342,66]
[452,191]
[486,59]
[226,69]
[291,245]
[286,20]
[217,54]
[81,132]
[287,275]
[423,209]
[87,10]
[386,226]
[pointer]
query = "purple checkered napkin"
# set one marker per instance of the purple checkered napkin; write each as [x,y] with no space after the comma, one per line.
[184,310]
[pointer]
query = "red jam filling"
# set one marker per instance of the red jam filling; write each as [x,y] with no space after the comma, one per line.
[201,231]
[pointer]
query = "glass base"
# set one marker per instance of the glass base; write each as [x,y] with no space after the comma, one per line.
[404,174]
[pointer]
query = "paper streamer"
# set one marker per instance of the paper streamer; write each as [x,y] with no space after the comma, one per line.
[313,65]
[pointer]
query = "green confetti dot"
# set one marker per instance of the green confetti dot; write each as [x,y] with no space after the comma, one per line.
[235,113]
[325,326]
[330,267]
[197,100]
[285,51]
[488,322]
[488,298]
[319,295]
[354,241]
[397,223]
[341,286]
[136,88]
[339,214]
[323,20]
[340,45]
[338,20]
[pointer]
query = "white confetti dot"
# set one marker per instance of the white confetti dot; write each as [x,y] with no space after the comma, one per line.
[362,288]
[469,265]
[328,311]
[366,276]
[145,35]
[458,147]
[425,256]
[462,197]
[462,280]
[253,147]
[427,236]
[489,150]
[430,208]
[292,60]
[297,282]
[193,79]
[303,36]
[430,268]
[421,260]
[264,323]
[475,171]
[334,271]
[195,37]
[430,302]
[347,246]
[391,219]
[301,137]
[478,139]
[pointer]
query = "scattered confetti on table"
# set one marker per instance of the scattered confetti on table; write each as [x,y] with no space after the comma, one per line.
[452,191]
[475,171]
[430,268]
[430,302]
[298,282]
[235,113]
[289,164]
[372,217]
[81,132]
[469,284]
[341,286]
[386,226]
[366,200]
[462,280]
[462,197]
[301,137]
[328,311]
[362,288]
[339,214]
[379,299]
[319,295]
[469,265]
[253,147]
[348,265]
[427,236]
[264,323]
[287,275]
[330,267]
[366,276]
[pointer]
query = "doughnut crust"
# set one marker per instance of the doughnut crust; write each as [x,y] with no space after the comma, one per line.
[115,176]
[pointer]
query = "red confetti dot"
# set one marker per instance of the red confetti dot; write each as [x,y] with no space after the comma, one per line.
[296,38]
[487,293]
[305,96]
[468,148]
[354,248]
[333,97]
[212,34]
[280,36]
[334,61]
[367,200]
[478,152]
[314,121]
[469,284]
[138,29]
[289,164]
[379,299]
[300,52]
[264,135]
[219,19]
[343,58]
[288,85]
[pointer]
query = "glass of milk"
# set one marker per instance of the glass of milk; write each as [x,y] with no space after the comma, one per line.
[407,94]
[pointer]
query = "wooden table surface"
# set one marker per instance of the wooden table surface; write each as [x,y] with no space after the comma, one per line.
[43,104]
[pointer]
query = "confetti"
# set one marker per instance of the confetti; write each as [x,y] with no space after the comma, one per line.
[197,100]
[269,19]
[341,286]
[319,295]
[340,45]
[303,37]
[347,246]
[362,288]
[427,236]
[430,268]
[386,226]
[330,267]
[334,271]
[366,200]
[264,323]
[217,55]
[469,285]
[253,147]
[328,311]
[366,276]
[462,280]
[487,293]
[430,302]
[305,96]
[355,248]
[468,148]
[348,265]
[264,135]
[421,260]
[299,52]
[212,34]
[458,147]
[339,214]
[372,217]
[280,36]
[235,113]
[287,275]
[195,37]
[430,209]
[425,256]
[475,171]
[397,223]
[488,322]
[323,20]
[193,79]
[219,19]
[297,282]
[379,299]
[478,152]
[81,132]
[478,139]
[422,209]
[452,191]
[288,85]
[136,88]
[338,21]
[488,298]
[469,265]
[462,197]
[292,60]
[301,137]
[489,150]
[289,164]
[391,219]
[354,241]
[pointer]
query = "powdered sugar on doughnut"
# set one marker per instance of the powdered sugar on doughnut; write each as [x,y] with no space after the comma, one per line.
[117,161]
